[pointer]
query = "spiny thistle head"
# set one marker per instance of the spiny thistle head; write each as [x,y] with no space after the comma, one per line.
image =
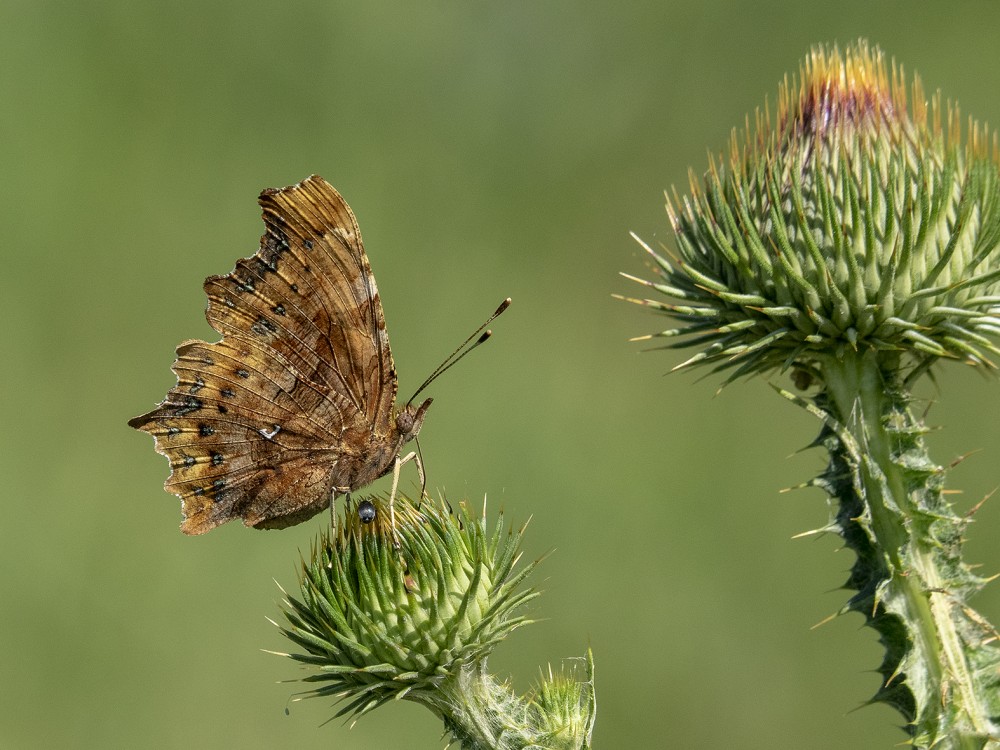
[566,705]
[851,221]
[377,623]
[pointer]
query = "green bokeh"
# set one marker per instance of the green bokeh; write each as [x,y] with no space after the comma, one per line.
[488,150]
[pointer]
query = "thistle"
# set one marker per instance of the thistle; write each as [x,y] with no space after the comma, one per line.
[853,239]
[375,623]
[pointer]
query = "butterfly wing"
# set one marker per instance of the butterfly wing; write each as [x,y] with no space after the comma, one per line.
[236,429]
[263,424]
[312,257]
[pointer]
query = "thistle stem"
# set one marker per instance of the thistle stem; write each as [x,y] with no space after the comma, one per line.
[480,712]
[910,564]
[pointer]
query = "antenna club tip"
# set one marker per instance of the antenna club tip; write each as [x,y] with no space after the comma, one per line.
[456,355]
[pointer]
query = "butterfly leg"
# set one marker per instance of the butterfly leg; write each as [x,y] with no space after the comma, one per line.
[419,461]
[333,511]
[411,456]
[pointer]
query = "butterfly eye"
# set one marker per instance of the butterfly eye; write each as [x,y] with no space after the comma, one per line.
[366,511]
[404,421]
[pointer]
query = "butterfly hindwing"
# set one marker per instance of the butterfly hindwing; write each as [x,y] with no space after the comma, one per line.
[228,427]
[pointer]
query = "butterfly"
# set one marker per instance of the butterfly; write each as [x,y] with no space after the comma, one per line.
[297,402]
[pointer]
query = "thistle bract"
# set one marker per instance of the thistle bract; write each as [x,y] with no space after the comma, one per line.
[849,220]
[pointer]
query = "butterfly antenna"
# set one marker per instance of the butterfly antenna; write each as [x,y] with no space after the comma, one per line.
[462,350]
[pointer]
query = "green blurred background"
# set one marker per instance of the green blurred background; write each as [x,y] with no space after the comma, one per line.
[488,150]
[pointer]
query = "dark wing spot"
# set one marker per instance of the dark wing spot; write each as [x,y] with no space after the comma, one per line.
[173,430]
[267,263]
[280,309]
[205,430]
[223,409]
[308,244]
[217,458]
[274,245]
[190,404]
[218,487]
[189,460]
[197,385]
[243,373]
[199,491]
[277,237]
[242,285]
[263,326]
[295,288]
[228,392]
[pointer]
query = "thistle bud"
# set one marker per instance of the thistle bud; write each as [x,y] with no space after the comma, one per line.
[858,217]
[384,616]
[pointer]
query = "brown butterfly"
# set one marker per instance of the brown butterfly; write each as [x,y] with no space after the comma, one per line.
[296,402]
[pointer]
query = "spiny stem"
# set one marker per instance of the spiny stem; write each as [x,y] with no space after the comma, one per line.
[913,559]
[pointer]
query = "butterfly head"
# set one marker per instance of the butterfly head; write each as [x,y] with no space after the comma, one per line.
[410,419]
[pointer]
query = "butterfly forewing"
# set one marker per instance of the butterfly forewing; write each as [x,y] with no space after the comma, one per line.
[265,423]
[333,333]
